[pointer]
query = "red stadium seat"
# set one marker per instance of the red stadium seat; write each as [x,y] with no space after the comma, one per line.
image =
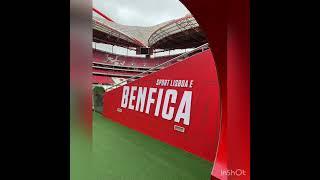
[102,80]
[107,66]
[113,59]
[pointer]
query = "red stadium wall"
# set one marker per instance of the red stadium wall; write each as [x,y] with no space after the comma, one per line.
[201,133]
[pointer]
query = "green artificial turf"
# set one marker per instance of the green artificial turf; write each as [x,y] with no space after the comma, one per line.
[120,153]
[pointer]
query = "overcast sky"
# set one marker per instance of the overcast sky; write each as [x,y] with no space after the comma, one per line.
[141,12]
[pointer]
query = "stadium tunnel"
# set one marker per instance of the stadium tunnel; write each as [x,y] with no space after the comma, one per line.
[226,24]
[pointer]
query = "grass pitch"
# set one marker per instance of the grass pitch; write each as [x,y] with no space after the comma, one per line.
[120,153]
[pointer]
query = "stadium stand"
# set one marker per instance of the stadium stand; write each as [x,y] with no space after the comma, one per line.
[121,60]
[181,33]
[102,80]
[121,73]
[109,68]
[181,57]
[112,72]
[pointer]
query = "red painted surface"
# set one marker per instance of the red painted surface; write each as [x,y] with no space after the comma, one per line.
[226,24]
[201,135]
[239,87]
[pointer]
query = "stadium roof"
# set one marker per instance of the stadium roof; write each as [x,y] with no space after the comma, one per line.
[179,33]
